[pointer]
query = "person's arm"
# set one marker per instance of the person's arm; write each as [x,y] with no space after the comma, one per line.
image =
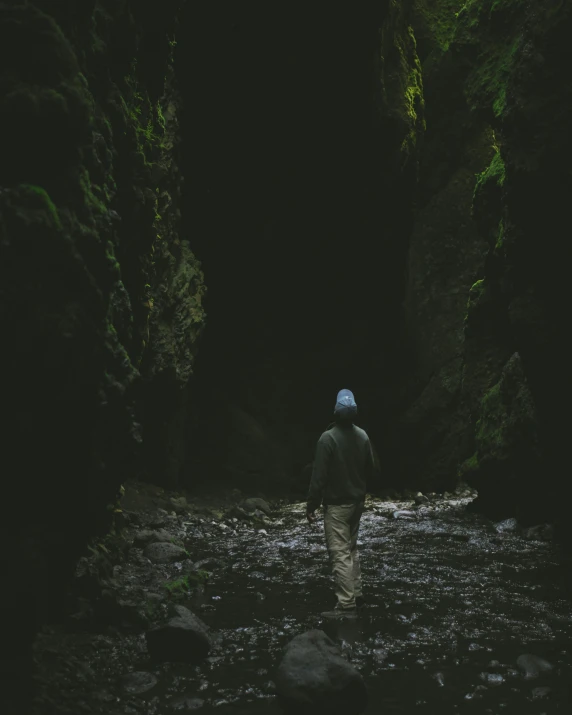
[319,475]
[369,465]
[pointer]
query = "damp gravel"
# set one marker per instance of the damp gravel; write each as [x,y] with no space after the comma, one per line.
[463,616]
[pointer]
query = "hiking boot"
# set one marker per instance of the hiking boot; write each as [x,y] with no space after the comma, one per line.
[340,613]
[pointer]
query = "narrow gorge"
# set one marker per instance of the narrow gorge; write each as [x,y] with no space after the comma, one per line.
[212,218]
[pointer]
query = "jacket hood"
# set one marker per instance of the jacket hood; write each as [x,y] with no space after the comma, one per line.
[346,407]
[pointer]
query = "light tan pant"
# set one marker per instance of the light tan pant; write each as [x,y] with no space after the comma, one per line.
[341,524]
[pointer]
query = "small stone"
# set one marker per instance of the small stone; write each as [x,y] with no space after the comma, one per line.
[208,564]
[164,553]
[138,682]
[187,705]
[541,693]
[508,525]
[403,514]
[439,678]
[532,665]
[151,536]
[492,679]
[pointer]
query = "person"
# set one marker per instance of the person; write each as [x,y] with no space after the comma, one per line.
[343,465]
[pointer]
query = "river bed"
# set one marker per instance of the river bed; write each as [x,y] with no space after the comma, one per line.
[455,602]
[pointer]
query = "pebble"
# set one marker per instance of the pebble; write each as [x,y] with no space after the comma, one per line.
[187,704]
[492,679]
[403,514]
[138,682]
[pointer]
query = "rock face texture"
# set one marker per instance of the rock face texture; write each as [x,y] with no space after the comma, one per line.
[100,295]
[486,298]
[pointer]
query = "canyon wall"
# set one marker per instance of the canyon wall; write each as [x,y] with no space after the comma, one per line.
[100,294]
[486,299]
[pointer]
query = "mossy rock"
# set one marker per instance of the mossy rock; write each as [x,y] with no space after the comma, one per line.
[506,427]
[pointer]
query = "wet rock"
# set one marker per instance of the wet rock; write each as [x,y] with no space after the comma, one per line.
[149,536]
[187,705]
[209,564]
[138,682]
[508,525]
[179,504]
[314,677]
[255,503]
[403,514]
[421,499]
[541,693]
[184,638]
[532,665]
[477,693]
[164,553]
[492,679]
[159,519]
[540,532]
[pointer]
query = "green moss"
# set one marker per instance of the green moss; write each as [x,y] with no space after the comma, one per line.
[45,200]
[470,465]
[493,29]
[90,199]
[182,586]
[477,289]
[439,19]
[495,173]
[490,429]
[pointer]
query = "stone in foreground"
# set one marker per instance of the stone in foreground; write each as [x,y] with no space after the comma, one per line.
[313,677]
[184,638]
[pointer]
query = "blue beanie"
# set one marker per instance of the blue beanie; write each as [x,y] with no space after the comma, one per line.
[345,405]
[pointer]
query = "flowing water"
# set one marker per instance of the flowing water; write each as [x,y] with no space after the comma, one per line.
[454,602]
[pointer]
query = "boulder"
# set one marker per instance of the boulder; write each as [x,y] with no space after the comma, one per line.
[150,536]
[255,503]
[313,677]
[184,638]
[164,553]
[532,665]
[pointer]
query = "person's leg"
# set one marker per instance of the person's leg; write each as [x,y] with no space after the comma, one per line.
[356,568]
[338,540]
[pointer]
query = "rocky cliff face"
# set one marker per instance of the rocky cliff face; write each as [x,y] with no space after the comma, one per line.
[487,300]
[100,295]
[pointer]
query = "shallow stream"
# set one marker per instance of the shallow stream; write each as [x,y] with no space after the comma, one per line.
[454,602]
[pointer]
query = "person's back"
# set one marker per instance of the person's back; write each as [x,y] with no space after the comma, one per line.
[342,468]
[347,456]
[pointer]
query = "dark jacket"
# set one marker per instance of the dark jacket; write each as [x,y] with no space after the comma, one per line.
[342,467]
